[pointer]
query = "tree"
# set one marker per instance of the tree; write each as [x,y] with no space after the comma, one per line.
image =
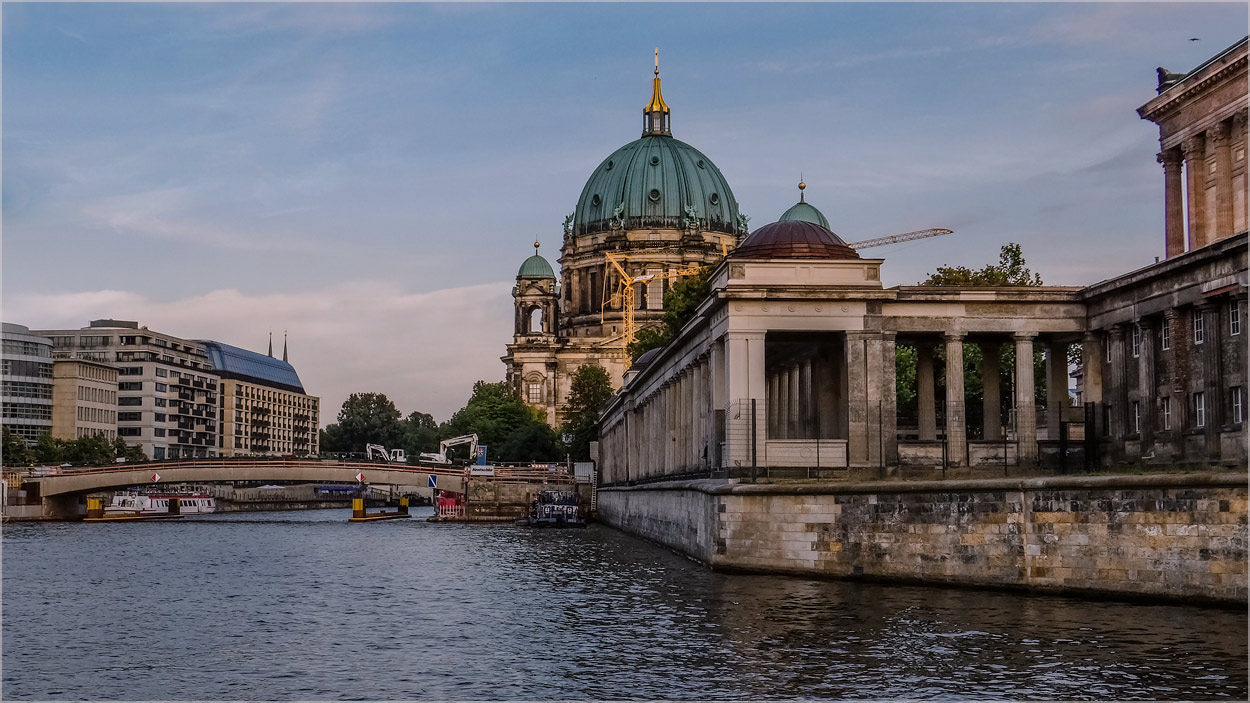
[129,452]
[366,418]
[1010,271]
[680,302]
[590,389]
[502,421]
[16,452]
[419,433]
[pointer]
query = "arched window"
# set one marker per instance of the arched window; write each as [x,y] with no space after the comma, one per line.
[535,320]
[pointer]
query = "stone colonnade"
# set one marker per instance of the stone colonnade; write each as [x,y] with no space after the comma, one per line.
[1207,161]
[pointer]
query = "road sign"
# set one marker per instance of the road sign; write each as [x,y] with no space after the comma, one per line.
[156,477]
[360,477]
[433,481]
[488,470]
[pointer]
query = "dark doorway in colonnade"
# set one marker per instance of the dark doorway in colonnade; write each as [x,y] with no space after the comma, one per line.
[806,381]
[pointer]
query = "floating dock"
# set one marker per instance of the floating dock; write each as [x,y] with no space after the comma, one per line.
[359,514]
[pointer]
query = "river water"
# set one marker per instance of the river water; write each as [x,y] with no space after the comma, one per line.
[303,605]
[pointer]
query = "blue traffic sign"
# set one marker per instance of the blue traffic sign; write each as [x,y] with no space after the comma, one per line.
[433,481]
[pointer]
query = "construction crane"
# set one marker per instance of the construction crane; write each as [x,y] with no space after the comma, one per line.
[440,457]
[896,238]
[624,295]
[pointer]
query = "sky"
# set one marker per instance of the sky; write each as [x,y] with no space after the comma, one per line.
[368,177]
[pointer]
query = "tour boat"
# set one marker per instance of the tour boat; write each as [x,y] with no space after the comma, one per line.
[190,502]
[557,509]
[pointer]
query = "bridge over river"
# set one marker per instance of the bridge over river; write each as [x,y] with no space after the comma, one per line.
[60,495]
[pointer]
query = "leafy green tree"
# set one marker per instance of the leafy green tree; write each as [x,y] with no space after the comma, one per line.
[129,452]
[366,418]
[1010,271]
[16,453]
[420,433]
[501,420]
[590,389]
[49,450]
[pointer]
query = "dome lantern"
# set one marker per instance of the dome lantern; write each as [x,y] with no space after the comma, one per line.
[655,117]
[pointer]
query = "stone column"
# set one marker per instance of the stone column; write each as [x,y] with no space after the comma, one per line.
[991,402]
[805,399]
[1173,202]
[889,397]
[1212,384]
[745,364]
[794,409]
[1026,408]
[1092,355]
[1147,390]
[774,402]
[1056,387]
[926,408]
[956,416]
[1118,393]
[1220,135]
[1195,152]
[857,399]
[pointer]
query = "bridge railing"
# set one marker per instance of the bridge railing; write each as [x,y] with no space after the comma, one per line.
[507,473]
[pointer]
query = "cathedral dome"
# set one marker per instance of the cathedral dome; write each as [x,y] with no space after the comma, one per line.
[535,267]
[793,239]
[656,181]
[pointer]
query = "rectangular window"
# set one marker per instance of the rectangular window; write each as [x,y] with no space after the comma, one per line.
[129,431]
[1136,341]
[159,402]
[158,453]
[1237,402]
[130,371]
[158,431]
[1199,327]
[158,417]
[1200,409]
[534,392]
[161,372]
[1136,417]
[1165,334]
[1167,413]
[130,386]
[161,388]
[129,400]
[1234,319]
[129,417]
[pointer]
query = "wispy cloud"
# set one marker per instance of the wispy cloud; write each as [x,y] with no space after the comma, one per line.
[424,350]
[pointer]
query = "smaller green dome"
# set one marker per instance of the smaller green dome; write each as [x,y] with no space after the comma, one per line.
[536,267]
[804,212]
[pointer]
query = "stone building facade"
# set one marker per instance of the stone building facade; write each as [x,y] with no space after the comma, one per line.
[26,383]
[653,210]
[84,399]
[1202,139]
[788,368]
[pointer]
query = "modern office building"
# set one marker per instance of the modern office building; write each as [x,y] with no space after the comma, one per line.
[84,399]
[262,405]
[26,383]
[167,401]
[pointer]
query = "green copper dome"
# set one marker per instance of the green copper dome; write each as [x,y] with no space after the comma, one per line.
[802,211]
[535,267]
[656,181]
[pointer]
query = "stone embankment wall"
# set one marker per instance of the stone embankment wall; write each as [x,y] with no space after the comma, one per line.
[1178,536]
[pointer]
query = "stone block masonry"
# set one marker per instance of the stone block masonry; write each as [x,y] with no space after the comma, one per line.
[1179,536]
